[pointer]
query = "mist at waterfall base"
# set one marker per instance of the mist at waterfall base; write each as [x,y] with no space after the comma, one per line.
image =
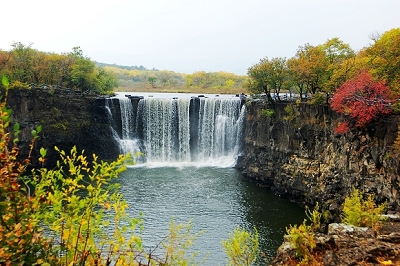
[190,145]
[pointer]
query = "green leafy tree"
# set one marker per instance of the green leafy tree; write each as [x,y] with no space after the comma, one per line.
[340,61]
[267,76]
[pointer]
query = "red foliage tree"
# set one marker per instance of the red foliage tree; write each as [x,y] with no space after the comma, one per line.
[362,99]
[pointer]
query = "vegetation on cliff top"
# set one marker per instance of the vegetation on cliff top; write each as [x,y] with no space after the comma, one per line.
[364,85]
[28,67]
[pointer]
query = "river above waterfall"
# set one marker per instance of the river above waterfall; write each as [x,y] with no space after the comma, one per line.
[217,199]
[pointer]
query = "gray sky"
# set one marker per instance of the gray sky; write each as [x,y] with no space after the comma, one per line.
[192,35]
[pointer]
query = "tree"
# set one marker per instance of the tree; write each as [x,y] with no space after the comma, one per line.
[152,80]
[384,58]
[258,82]
[20,67]
[340,60]
[82,74]
[267,75]
[279,74]
[362,99]
[310,68]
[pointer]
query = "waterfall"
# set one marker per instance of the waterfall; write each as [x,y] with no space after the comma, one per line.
[200,130]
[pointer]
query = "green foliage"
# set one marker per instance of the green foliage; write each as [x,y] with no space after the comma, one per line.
[268,75]
[290,113]
[242,247]
[21,240]
[302,236]
[270,113]
[4,81]
[85,210]
[362,212]
[317,99]
[302,239]
[24,65]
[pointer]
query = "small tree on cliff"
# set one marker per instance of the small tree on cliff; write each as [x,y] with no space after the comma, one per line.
[361,99]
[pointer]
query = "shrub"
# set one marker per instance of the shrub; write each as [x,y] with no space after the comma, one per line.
[303,241]
[270,113]
[302,236]
[241,247]
[317,99]
[290,113]
[362,212]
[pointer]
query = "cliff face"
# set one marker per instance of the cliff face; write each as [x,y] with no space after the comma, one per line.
[67,119]
[304,159]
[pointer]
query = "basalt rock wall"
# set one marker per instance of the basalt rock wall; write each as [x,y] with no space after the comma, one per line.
[67,118]
[300,156]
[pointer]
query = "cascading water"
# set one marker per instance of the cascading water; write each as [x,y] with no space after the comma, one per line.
[205,131]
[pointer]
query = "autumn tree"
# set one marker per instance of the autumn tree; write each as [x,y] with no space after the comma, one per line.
[383,58]
[310,67]
[362,99]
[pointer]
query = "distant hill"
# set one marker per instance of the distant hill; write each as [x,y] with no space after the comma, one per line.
[139,78]
[141,68]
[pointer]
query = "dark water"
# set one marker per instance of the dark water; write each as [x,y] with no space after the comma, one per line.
[217,199]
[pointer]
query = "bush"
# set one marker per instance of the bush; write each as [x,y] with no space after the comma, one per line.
[362,212]
[317,99]
[241,247]
[270,113]
[302,236]
[290,113]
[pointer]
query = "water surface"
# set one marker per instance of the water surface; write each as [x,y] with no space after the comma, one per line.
[217,199]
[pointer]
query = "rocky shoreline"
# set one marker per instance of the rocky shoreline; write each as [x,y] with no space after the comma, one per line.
[350,245]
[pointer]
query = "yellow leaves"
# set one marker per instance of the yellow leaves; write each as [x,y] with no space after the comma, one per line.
[385,262]
[17,230]
[65,235]
[107,206]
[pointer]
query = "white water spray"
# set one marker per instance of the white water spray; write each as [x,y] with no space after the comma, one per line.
[170,131]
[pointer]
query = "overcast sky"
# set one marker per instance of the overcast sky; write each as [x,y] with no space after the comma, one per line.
[192,35]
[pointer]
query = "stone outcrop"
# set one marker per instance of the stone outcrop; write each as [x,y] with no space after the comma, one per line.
[350,245]
[67,118]
[301,157]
